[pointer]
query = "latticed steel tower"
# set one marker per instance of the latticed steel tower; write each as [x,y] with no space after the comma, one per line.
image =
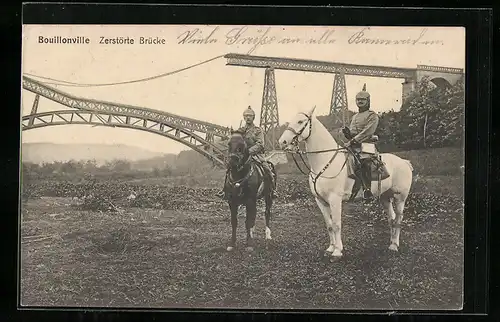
[338,105]
[269,116]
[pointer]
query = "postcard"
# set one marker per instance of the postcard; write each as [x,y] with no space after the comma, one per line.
[242,166]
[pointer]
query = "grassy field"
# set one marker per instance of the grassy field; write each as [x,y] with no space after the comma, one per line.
[173,255]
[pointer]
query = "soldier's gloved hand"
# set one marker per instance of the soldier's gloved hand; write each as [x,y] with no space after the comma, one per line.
[253,150]
[346,132]
[351,142]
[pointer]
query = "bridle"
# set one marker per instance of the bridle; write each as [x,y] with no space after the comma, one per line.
[295,139]
[243,160]
[295,142]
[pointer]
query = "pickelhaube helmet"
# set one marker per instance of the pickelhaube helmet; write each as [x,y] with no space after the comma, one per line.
[249,111]
[363,93]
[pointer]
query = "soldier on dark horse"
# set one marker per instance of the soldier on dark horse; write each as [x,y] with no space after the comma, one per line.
[362,130]
[249,177]
[255,141]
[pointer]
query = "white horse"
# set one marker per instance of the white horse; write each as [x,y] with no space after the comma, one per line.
[330,184]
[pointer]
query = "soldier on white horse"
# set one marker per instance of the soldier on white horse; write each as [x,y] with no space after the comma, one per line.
[331,180]
[362,130]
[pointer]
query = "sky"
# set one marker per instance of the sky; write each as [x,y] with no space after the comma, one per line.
[215,92]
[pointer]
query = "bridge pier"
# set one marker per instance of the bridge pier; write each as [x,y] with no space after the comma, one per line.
[338,104]
[409,85]
[269,116]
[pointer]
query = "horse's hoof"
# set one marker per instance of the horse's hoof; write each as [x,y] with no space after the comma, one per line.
[335,259]
[337,253]
[230,248]
[249,249]
[393,247]
[268,234]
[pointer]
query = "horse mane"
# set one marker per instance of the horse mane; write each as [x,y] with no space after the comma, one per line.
[237,135]
[238,132]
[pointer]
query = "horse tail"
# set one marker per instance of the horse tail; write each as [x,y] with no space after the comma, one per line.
[410,165]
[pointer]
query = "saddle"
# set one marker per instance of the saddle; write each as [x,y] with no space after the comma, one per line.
[366,152]
[260,169]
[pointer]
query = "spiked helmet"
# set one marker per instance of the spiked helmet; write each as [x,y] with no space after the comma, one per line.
[363,93]
[249,111]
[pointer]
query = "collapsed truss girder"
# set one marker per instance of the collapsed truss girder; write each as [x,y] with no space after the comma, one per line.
[114,119]
[133,111]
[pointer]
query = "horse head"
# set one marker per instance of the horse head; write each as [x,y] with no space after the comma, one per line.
[297,130]
[237,149]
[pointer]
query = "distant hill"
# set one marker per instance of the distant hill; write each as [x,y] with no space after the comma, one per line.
[160,162]
[188,161]
[50,152]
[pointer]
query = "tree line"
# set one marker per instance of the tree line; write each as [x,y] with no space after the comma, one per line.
[116,168]
[185,163]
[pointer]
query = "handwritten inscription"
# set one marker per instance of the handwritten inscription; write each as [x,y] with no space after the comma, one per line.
[361,38]
[196,36]
[243,36]
[267,36]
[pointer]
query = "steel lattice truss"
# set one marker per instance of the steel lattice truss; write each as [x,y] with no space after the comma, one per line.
[338,105]
[269,117]
[173,120]
[318,66]
[196,141]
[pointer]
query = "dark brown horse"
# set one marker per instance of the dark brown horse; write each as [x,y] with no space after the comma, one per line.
[245,185]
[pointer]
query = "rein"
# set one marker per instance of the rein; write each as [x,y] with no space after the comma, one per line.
[314,177]
[237,183]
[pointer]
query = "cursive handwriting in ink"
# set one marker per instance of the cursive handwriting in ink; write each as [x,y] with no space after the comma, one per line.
[195,36]
[236,36]
[359,37]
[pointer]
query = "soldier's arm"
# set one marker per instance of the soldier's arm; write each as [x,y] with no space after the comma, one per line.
[258,147]
[347,131]
[369,129]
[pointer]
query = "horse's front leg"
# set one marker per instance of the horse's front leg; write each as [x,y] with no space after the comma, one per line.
[336,214]
[325,210]
[234,224]
[251,207]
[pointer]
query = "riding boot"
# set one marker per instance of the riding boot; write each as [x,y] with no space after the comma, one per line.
[367,180]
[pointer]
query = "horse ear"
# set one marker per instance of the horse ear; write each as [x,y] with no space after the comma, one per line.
[311,112]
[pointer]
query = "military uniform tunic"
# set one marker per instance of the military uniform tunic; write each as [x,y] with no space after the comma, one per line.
[363,125]
[255,139]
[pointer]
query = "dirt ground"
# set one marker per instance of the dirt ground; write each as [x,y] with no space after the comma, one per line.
[175,256]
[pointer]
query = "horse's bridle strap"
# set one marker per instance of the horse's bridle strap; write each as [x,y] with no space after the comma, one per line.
[297,134]
[249,173]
